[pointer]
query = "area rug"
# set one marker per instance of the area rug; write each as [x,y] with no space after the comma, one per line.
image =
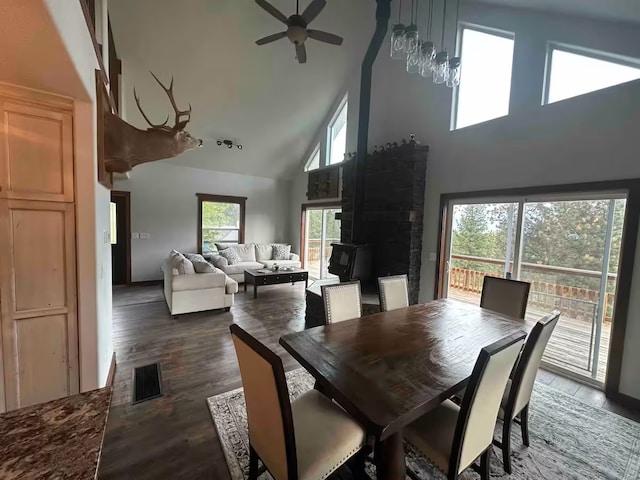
[569,439]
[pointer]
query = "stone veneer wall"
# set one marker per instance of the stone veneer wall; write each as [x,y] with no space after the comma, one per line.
[393,210]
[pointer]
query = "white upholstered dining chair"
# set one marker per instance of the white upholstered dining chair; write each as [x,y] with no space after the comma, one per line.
[517,395]
[505,296]
[342,301]
[306,439]
[394,292]
[453,437]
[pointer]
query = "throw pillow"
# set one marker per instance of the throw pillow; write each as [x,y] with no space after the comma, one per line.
[181,263]
[281,252]
[231,255]
[195,257]
[203,267]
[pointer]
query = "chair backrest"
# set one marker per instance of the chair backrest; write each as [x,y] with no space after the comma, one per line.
[394,292]
[505,296]
[342,301]
[524,376]
[266,395]
[481,401]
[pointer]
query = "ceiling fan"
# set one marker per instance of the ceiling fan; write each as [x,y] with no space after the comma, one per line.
[297,30]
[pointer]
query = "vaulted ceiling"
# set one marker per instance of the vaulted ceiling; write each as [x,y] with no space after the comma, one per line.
[259,96]
[255,95]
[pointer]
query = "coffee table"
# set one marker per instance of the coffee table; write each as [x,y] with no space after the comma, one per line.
[262,277]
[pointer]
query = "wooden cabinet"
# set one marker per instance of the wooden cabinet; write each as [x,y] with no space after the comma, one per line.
[38,303]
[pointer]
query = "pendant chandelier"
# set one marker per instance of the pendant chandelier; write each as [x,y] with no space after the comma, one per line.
[421,55]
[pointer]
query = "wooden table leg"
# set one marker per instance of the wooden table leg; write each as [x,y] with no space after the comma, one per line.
[389,458]
[255,290]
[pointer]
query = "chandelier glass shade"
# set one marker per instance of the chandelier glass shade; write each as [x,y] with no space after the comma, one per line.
[421,54]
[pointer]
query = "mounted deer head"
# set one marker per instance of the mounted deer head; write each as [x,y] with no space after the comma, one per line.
[127,146]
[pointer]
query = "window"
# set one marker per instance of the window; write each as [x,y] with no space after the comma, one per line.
[337,141]
[571,73]
[220,220]
[314,161]
[485,82]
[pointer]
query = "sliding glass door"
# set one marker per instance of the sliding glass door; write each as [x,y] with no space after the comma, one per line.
[321,230]
[567,248]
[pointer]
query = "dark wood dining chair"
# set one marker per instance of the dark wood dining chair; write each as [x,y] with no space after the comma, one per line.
[517,395]
[505,296]
[394,292]
[454,437]
[342,301]
[306,439]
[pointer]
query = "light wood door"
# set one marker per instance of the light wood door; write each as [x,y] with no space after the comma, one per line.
[38,295]
[36,152]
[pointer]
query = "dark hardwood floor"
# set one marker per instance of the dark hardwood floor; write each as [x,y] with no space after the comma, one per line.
[173,436]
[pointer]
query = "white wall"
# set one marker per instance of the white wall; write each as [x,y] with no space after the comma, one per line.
[92,203]
[589,138]
[164,204]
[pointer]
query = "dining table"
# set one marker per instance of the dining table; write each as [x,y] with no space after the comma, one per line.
[388,369]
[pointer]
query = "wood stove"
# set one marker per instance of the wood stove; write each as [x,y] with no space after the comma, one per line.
[351,262]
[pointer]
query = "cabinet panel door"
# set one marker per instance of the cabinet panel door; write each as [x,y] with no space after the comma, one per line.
[38,290]
[36,154]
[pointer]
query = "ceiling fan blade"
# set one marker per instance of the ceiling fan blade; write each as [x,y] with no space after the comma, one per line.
[273,11]
[312,11]
[325,37]
[271,38]
[301,53]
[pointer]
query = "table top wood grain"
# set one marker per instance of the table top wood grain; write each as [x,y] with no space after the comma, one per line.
[390,368]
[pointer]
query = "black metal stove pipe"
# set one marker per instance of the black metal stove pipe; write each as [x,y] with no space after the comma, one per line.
[383,13]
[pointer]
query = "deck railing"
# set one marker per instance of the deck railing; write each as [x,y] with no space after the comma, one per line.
[573,301]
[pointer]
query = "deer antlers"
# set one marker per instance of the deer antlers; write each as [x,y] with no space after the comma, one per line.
[179,125]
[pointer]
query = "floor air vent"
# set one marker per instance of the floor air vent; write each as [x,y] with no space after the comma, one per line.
[147,383]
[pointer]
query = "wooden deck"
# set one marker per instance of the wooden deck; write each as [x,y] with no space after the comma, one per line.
[570,343]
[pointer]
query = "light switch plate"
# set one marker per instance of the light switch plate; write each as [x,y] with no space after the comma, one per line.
[135,235]
[145,236]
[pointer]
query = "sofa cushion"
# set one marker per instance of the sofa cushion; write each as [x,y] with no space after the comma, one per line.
[241,267]
[247,252]
[181,263]
[283,263]
[224,246]
[264,251]
[281,252]
[231,255]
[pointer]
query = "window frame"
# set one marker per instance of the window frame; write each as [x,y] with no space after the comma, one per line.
[584,52]
[314,152]
[343,105]
[459,43]
[206,197]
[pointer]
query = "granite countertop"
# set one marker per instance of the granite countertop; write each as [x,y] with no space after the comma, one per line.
[57,439]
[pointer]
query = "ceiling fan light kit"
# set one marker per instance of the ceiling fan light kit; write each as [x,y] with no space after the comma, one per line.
[297,31]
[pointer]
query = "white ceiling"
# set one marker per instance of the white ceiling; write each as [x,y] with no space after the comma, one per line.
[617,10]
[258,96]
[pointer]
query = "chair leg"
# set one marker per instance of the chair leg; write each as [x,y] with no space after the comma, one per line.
[357,465]
[253,464]
[524,425]
[506,445]
[485,469]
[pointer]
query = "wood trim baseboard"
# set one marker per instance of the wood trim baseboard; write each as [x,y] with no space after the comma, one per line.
[146,283]
[112,371]
[625,400]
